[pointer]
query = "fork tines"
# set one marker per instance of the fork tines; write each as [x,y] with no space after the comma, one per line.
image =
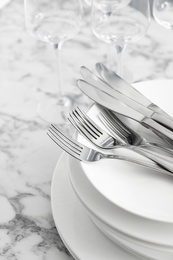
[66,143]
[84,124]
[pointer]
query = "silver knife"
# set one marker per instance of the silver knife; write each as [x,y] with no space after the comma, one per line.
[117,106]
[125,88]
[95,81]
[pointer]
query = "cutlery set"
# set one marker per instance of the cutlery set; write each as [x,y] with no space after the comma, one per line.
[114,96]
[83,153]
[123,105]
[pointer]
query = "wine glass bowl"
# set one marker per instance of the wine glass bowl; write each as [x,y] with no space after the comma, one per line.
[163,13]
[119,22]
[54,22]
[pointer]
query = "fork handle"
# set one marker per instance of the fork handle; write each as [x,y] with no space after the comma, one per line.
[152,165]
[163,157]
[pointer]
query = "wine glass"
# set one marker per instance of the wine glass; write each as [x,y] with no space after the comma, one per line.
[118,22]
[163,13]
[53,22]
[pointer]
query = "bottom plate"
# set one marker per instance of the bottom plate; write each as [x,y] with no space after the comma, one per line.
[80,235]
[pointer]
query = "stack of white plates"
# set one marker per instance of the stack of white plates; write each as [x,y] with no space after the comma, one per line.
[130,204]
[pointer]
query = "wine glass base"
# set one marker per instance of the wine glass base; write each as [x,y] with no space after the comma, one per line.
[63,101]
[54,110]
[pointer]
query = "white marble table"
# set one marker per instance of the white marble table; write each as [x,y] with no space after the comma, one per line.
[27,156]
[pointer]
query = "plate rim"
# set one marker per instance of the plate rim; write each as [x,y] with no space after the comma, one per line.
[161,218]
[130,255]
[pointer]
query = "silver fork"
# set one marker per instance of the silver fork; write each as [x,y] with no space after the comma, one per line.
[86,154]
[117,127]
[90,130]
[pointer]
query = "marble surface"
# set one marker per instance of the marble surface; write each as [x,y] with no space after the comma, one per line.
[27,156]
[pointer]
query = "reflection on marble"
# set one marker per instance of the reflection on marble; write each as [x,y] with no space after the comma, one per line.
[27,156]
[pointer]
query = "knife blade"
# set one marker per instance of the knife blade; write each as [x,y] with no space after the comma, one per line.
[117,106]
[125,88]
[91,78]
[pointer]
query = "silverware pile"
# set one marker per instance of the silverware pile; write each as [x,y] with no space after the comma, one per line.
[114,96]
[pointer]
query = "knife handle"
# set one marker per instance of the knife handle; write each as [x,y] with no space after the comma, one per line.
[158,129]
[158,110]
[165,121]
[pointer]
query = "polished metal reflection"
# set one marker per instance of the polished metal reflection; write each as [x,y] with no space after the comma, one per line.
[86,154]
[90,130]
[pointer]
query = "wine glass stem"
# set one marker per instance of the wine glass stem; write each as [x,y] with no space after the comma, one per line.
[119,49]
[57,48]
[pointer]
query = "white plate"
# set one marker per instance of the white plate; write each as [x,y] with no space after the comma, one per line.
[127,188]
[83,239]
[150,252]
[128,226]
[119,187]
